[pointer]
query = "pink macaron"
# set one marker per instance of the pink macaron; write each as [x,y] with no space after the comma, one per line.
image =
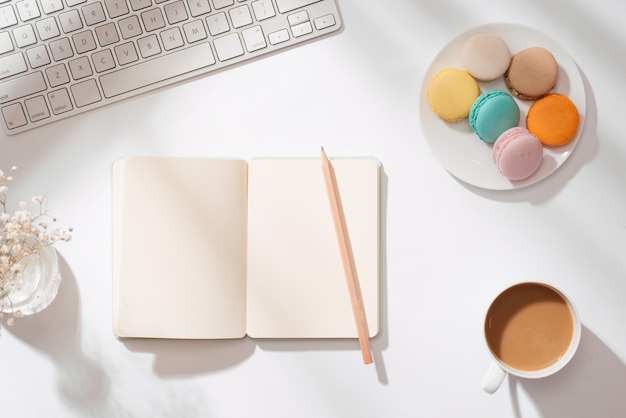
[517,153]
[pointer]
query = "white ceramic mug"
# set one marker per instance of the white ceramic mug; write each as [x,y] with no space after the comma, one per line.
[532,330]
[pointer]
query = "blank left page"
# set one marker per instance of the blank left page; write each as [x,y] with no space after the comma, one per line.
[179,248]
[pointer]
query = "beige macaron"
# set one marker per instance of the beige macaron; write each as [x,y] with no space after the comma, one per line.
[485,56]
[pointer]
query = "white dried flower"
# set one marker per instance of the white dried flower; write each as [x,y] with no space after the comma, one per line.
[22,233]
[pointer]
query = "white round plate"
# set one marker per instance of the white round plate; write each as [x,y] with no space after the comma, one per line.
[458,148]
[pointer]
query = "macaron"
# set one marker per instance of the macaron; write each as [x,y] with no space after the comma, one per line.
[532,73]
[517,153]
[485,56]
[492,113]
[554,119]
[451,93]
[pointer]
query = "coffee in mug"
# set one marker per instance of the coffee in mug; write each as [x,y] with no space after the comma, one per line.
[532,330]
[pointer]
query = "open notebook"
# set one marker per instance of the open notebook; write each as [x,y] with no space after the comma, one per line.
[219,248]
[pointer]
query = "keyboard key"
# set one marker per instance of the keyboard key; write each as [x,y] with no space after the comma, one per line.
[38,56]
[12,64]
[36,108]
[14,116]
[254,38]
[22,86]
[228,47]
[140,4]
[24,36]
[130,27]
[175,12]
[107,34]
[278,36]
[6,44]
[80,68]
[126,53]
[263,9]
[324,22]
[28,10]
[57,75]
[240,16]
[149,46]
[297,18]
[103,60]
[285,6]
[156,70]
[61,49]
[70,21]
[84,41]
[194,31]
[60,101]
[116,8]
[217,24]
[153,19]
[51,6]
[94,13]
[7,17]
[172,39]
[198,7]
[47,28]
[220,4]
[86,93]
[301,29]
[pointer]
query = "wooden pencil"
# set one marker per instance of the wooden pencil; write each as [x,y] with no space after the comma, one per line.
[347,258]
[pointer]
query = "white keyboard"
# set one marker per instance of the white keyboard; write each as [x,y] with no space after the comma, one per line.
[59,58]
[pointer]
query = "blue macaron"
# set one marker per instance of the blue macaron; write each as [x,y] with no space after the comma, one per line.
[492,113]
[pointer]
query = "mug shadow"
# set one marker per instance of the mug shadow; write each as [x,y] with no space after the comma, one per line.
[190,357]
[591,385]
[82,383]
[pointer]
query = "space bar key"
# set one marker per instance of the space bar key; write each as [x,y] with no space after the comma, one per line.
[156,70]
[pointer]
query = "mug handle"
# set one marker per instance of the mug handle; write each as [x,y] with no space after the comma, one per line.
[494,378]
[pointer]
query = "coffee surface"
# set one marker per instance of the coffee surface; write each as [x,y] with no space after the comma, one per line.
[529,327]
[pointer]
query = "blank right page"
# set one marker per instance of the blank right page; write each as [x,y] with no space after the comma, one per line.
[296,282]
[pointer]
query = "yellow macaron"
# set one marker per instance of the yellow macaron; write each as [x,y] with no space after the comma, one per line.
[451,94]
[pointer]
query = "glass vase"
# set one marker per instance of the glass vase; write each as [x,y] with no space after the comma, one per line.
[39,286]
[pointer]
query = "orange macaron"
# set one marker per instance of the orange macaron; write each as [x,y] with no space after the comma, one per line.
[553,119]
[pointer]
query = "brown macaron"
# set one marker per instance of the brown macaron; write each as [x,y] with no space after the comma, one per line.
[532,73]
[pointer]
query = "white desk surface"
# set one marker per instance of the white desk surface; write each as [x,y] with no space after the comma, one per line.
[448,248]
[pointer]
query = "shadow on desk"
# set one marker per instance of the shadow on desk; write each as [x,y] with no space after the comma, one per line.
[591,385]
[188,357]
[55,332]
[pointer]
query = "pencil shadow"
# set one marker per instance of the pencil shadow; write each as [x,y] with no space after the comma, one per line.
[82,383]
[591,385]
[189,357]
